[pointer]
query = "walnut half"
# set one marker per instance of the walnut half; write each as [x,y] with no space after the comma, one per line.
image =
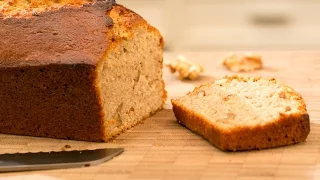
[186,69]
[244,63]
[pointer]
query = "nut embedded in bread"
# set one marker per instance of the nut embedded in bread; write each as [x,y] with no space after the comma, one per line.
[243,113]
[84,71]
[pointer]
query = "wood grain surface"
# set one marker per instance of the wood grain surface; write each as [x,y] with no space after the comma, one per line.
[160,148]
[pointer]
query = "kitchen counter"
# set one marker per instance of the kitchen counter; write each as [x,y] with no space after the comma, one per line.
[160,148]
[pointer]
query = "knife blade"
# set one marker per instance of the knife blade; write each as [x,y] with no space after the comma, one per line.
[56,160]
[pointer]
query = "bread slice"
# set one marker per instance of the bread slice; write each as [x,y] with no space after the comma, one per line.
[77,69]
[243,113]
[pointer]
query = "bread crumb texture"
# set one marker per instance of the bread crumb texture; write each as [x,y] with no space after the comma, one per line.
[242,113]
[23,8]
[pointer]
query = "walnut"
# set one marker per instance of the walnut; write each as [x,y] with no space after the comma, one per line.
[231,116]
[245,63]
[201,93]
[186,69]
[288,108]
[282,95]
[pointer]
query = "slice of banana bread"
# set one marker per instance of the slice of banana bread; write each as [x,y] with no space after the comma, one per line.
[243,113]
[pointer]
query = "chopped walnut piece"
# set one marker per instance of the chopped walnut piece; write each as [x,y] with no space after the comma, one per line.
[244,63]
[231,116]
[186,69]
[282,95]
[201,93]
[288,108]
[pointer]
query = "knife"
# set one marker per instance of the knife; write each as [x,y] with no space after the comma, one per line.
[56,160]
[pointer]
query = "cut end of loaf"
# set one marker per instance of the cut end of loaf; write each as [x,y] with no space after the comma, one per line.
[242,113]
[130,76]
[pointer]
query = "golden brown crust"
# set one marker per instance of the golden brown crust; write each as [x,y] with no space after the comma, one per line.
[77,36]
[287,129]
[125,20]
[27,8]
[55,101]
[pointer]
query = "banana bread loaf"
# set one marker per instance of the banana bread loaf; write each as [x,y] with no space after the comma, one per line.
[242,113]
[77,69]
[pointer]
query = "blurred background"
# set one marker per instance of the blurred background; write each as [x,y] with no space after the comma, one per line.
[232,25]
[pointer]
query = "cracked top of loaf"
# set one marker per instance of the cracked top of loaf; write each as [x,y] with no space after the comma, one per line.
[63,31]
[25,8]
[73,32]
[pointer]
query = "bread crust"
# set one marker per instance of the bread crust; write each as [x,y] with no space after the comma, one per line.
[64,36]
[68,35]
[60,52]
[286,130]
[24,9]
[48,101]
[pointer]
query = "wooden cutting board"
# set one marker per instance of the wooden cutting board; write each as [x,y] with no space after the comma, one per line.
[160,148]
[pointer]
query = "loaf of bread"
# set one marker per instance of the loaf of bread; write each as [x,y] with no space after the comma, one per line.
[77,69]
[243,113]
